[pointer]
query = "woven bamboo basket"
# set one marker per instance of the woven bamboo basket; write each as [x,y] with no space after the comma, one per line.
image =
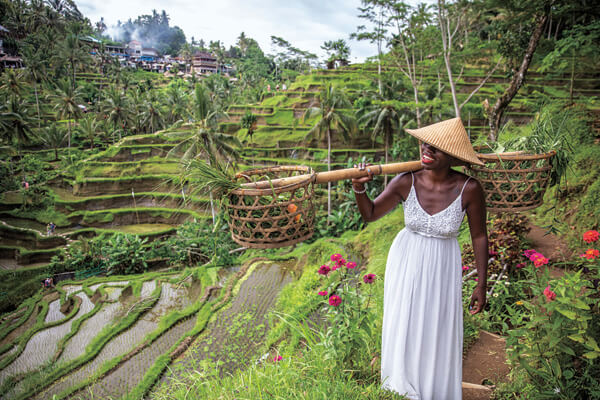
[274,216]
[513,181]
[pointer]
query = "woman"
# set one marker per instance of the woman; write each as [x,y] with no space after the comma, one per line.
[422,312]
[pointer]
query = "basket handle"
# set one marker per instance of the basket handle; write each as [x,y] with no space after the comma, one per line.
[337,175]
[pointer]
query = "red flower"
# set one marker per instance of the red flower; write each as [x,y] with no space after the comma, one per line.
[323,293]
[351,265]
[539,261]
[550,295]
[590,254]
[369,278]
[335,257]
[465,268]
[277,358]
[335,300]
[324,270]
[591,236]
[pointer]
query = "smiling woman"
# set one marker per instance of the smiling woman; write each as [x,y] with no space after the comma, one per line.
[422,321]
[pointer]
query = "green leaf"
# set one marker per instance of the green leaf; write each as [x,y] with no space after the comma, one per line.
[577,337]
[567,313]
[591,355]
[567,350]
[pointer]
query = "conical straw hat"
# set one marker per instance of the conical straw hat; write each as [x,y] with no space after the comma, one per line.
[450,137]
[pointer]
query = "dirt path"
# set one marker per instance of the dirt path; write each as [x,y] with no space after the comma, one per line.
[485,362]
[551,246]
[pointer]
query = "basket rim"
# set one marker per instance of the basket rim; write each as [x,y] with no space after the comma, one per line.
[523,156]
[311,176]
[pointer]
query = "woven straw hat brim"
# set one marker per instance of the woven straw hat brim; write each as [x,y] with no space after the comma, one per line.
[450,137]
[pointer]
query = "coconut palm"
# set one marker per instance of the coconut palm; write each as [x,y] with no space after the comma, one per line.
[207,143]
[88,127]
[66,100]
[176,100]
[249,122]
[385,118]
[36,71]
[152,118]
[116,108]
[73,52]
[15,121]
[202,103]
[53,136]
[333,120]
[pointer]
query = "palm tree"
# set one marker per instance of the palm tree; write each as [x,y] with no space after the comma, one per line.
[15,121]
[202,103]
[88,127]
[385,118]
[151,116]
[186,54]
[13,82]
[249,122]
[66,102]
[137,101]
[207,143]
[73,53]
[117,109]
[52,136]
[331,103]
[176,100]
[36,70]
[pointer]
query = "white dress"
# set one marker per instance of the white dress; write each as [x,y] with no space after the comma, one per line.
[422,312]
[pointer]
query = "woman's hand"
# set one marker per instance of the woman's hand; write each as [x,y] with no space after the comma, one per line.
[359,183]
[477,300]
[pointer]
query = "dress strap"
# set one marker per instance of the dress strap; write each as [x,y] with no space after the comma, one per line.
[413,179]
[465,185]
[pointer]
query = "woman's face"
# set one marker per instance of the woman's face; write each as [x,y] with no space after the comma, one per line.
[433,158]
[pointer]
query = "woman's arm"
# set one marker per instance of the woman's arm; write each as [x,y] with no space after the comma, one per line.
[385,202]
[476,213]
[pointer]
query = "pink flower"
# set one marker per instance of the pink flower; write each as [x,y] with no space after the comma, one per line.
[520,265]
[591,236]
[341,262]
[277,358]
[529,252]
[351,265]
[493,252]
[323,293]
[369,278]
[335,300]
[335,257]
[335,266]
[324,270]
[550,295]
[465,268]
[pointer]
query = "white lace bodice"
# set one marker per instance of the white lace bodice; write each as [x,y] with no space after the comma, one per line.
[444,224]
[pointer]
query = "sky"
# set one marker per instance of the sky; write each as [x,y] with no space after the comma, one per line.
[306,24]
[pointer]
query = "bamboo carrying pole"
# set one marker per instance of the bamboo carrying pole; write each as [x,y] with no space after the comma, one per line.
[337,175]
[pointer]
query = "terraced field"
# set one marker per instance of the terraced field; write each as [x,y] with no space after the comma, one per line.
[124,343]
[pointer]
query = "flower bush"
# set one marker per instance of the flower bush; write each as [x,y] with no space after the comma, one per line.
[349,336]
[554,344]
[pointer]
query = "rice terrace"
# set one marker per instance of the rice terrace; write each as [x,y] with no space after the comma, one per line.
[187,200]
